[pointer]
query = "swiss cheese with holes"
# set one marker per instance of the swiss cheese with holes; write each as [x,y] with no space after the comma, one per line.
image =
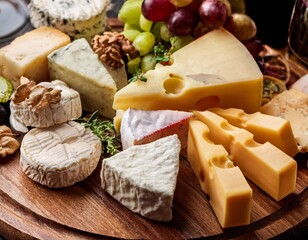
[61,155]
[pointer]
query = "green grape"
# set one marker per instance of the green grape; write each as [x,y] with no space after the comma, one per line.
[133,65]
[130,12]
[156,31]
[144,42]
[165,34]
[148,62]
[145,24]
[179,42]
[131,34]
[128,26]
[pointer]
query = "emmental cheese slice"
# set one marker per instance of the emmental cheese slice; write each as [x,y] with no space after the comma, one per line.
[61,155]
[78,66]
[143,178]
[265,128]
[264,164]
[230,194]
[215,70]
[27,55]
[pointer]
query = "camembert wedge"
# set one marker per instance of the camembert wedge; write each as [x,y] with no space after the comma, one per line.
[230,194]
[61,155]
[143,178]
[215,70]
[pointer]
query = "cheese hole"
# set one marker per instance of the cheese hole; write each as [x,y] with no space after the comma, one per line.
[251,143]
[173,85]
[226,126]
[206,103]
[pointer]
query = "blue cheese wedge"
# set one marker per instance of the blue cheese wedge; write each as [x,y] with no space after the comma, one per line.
[25,115]
[61,155]
[77,18]
[145,126]
[143,178]
[78,66]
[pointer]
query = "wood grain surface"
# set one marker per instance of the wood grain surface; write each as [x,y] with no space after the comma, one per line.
[84,211]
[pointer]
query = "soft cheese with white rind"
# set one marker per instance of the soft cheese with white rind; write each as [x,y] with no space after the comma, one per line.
[61,155]
[215,70]
[27,54]
[264,164]
[141,126]
[230,194]
[69,107]
[77,18]
[78,66]
[143,178]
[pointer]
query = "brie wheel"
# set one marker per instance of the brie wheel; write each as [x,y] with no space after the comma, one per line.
[69,107]
[61,155]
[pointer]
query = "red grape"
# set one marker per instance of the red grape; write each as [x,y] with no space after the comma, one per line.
[157,10]
[182,22]
[213,13]
[254,46]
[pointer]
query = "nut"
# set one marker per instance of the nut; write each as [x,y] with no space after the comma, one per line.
[36,96]
[112,47]
[8,144]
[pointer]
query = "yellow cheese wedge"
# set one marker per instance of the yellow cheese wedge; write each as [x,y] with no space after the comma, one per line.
[264,164]
[265,128]
[230,194]
[27,55]
[215,70]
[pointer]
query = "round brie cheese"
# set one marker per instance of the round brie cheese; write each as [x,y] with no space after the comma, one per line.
[61,155]
[69,107]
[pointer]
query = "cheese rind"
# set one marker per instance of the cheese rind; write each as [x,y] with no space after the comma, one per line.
[68,108]
[273,170]
[230,194]
[141,126]
[61,155]
[78,66]
[265,128]
[143,178]
[27,55]
[215,70]
[77,18]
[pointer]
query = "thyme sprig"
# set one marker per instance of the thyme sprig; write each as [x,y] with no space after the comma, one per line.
[138,75]
[105,130]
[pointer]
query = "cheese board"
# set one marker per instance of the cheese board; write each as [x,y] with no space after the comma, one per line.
[84,211]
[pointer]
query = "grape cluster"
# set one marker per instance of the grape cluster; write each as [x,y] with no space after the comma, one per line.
[164,26]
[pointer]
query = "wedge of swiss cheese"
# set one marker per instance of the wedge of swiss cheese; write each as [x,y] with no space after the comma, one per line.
[230,194]
[264,164]
[215,70]
[27,55]
[275,130]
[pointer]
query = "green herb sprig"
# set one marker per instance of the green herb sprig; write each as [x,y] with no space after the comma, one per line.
[105,130]
[138,75]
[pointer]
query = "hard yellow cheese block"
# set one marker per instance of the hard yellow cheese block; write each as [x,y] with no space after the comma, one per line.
[264,164]
[27,55]
[215,70]
[265,128]
[230,195]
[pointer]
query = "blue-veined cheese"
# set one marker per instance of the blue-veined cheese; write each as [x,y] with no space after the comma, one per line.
[77,18]
[78,66]
[61,155]
[143,178]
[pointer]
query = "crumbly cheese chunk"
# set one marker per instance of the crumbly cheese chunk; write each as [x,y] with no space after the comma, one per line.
[61,155]
[143,178]
[293,106]
[69,107]
[77,18]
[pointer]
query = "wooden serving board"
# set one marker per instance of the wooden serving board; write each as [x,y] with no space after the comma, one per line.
[84,211]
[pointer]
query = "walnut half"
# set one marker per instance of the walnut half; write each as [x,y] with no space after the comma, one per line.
[8,144]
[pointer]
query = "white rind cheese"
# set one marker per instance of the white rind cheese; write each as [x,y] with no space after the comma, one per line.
[61,155]
[69,107]
[141,126]
[78,66]
[143,178]
[77,18]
